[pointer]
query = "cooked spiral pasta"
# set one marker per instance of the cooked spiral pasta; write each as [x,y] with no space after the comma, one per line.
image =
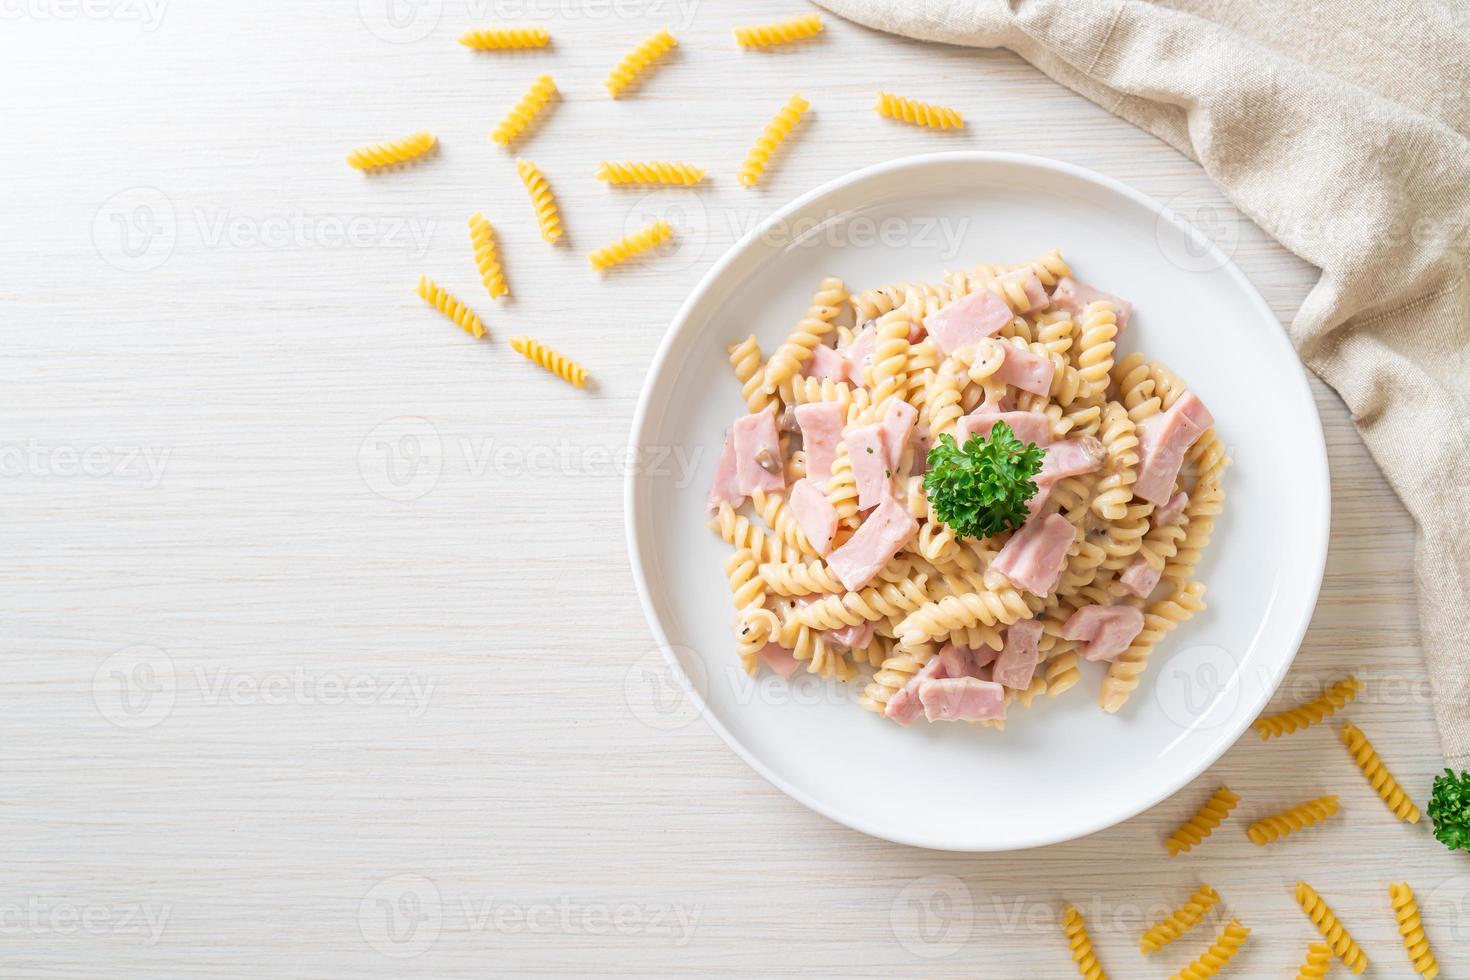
[1049,267]
[1325,920]
[1061,673]
[387,154]
[637,61]
[747,587]
[548,218]
[518,120]
[1299,817]
[1180,921]
[1120,438]
[775,133]
[1206,500]
[443,301]
[889,370]
[1305,715]
[755,627]
[739,532]
[482,239]
[1318,962]
[778,517]
[1075,929]
[649,172]
[1378,776]
[505,38]
[810,329]
[893,674]
[918,113]
[558,364]
[1213,960]
[855,608]
[635,244]
[842,487]
[1194,830]
[1411,930]
[1002,605]
[745,358]
[799,578]
[1095,343]
[781,32]
[1160,619]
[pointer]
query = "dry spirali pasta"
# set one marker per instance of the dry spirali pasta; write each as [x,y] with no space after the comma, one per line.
[518,120]
[505,38]
[1317,963]
[1075,929]
[443,301]
[635,244]
[650,172]
[1325,920]
[558,364]
[781,32]
[1180,921]
[1299,817]
[1203,823]
[1213,960]
[1411,930]
[917,113]
[542,200]
[771,137]
[1378,776]
[387,154]
[482,239]
[637,61]
[1306,715]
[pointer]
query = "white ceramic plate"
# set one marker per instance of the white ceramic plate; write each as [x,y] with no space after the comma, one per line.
[1062,769]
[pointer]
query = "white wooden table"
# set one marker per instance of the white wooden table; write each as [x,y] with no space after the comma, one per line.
[313,668]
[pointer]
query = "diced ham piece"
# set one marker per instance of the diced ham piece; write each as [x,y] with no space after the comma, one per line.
[967,320]
[821,430]
[1038,500]
[871,470]
[779,659]
[1140,577]
[814,514]
[1163,440]
[1104,631]
[1027,370]
[855,637]
[758,461]
[1172,512]
[1070,457]
[953,661]
[923,441]
[1036,297]
[1028,426]
[898,422]
[874,544]
[859,353]
[1073,296]
[1032,558]
[826,364]
[962,699]
[904,706]
[981,657]
[726,488]
[1017,661]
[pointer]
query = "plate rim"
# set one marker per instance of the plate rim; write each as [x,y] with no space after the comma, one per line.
[680,322]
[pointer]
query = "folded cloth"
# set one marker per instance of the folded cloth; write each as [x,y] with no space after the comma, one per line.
[1340,127]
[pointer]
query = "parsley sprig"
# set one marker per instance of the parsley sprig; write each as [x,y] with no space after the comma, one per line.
[981,488]
[1449,808]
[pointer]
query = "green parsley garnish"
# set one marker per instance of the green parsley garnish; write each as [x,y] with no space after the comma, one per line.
[982,488]
[1449,808]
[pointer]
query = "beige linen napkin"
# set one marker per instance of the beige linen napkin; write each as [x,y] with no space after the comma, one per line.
[1339,126]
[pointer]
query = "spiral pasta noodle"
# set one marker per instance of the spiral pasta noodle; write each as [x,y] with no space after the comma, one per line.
[1213,960]
[737,531]
[889,370]
[1322,916]
[638,61]
[1120,438]
[745,358]
[521,115]
[505,38]
[1378,776]
[1411,930]
[778,517]
[1306,715]
[855,608]
[1061,673]
[775,133]
[746,585]
[649,172]
[1095,344]
[799,578]
[637,243]
[1180,921]
[1194,830]
[755,626]
[443,300]
[1299,817]
[1075,929]
[893,674]
[1160,619]
[558,364]
[781,32]
[387,154]
[548,218]
[482,239]
[842,487]
[916,112]
[1002,605]
[1318,962]
[792,355]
